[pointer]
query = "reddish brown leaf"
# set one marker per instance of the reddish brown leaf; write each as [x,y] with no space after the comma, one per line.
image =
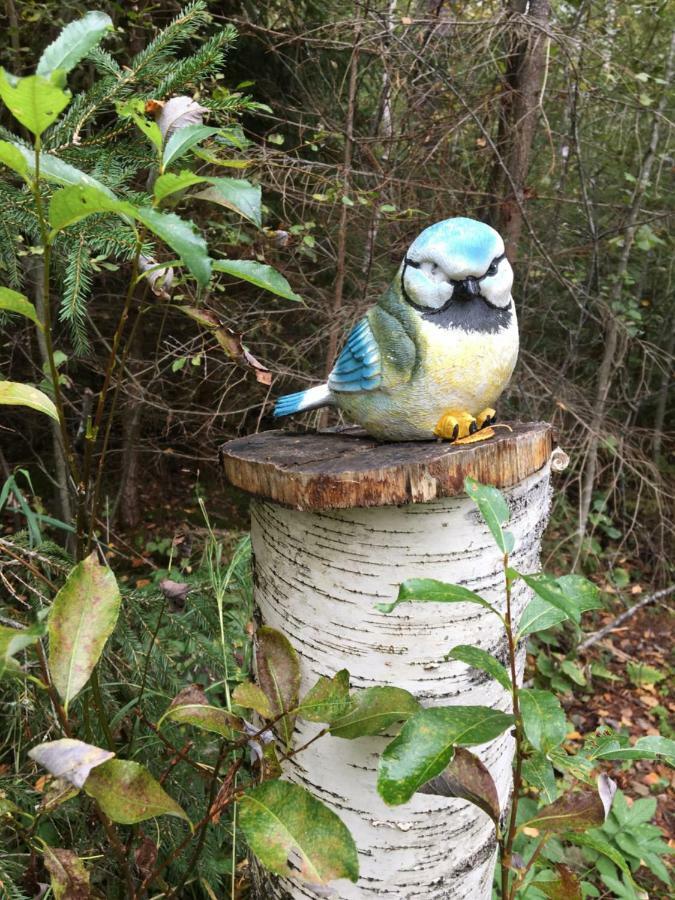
[278,676]
[576,810]
[564,887]
[145,856]
[468,778]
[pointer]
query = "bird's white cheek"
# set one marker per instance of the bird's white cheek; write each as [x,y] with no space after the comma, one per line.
[497,289]
[425,292]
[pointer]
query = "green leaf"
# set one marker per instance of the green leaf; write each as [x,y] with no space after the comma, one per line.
[68,876]
[494,509]
[428,590]
[256,273]
[71,204]
[182,238]
[74,42]
[13,301]
[295,835]
[376,709]
[549,590]
[135,110]
[581,592]
[577,591]
[250,696]
[127,793]
[69,759]
[539,615]
[468,778]
[13,641]
[641,674]
[538,772]
[191,707]
[649,747]
[481,659]
[236,194]
[596,843]
[56,170]
[573,671]
[34,101]
[11,156]
[279,677]
[171,183]
[544,720]
[426,745]
[327,700]
[82,618]
[183,139]
[14,394]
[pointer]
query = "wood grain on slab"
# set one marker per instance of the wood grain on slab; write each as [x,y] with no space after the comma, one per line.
[346,469]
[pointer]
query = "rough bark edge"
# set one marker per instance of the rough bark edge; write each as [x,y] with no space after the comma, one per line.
[262,465]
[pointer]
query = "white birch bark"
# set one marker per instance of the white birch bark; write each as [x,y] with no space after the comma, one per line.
[317,579]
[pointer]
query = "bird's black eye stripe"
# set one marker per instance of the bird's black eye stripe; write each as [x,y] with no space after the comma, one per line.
[494,265]
[412,263]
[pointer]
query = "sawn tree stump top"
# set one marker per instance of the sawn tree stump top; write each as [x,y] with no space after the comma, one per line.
[347,468]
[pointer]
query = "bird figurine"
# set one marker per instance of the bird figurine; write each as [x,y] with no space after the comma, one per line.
[432,357]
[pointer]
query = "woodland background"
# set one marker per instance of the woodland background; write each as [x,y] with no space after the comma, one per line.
[551,123]
[367,122]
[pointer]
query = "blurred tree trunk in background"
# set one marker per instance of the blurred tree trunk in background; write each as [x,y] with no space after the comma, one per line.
[526,51]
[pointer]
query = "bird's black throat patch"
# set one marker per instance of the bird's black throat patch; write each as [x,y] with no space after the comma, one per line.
[469,315]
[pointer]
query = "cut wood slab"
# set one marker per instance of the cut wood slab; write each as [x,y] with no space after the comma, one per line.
[347,468]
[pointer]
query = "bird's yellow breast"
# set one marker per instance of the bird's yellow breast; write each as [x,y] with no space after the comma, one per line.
[467,370]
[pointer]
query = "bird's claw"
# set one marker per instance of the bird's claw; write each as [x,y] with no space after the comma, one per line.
[457,425]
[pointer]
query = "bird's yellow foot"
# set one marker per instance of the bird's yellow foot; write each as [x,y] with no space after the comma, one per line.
[458,425]
[487,417]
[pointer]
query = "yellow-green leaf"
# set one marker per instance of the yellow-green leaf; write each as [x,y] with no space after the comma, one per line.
[294,834]
[13,301]
[191,707]
[14,394]
[13,641]
[11,156]
[82,618]
[375,709]
[34,101]
[250,696]
[127,793]
[327,700]
[76,202]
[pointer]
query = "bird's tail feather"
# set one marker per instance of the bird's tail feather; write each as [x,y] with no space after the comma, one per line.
[302,401]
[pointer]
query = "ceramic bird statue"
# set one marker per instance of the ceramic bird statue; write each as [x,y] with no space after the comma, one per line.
[432,357]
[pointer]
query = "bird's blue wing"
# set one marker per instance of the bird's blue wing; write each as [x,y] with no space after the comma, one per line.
[359,366]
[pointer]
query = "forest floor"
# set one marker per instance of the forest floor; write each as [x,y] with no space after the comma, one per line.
[643,708]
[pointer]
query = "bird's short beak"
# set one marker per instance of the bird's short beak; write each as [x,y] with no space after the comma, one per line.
[466,289]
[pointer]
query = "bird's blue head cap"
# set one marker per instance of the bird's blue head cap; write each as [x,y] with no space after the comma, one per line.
[456,258]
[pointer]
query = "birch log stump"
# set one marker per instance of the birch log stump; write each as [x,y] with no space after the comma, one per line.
[338,522]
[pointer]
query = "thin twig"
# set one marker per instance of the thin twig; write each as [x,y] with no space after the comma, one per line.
[599,635]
